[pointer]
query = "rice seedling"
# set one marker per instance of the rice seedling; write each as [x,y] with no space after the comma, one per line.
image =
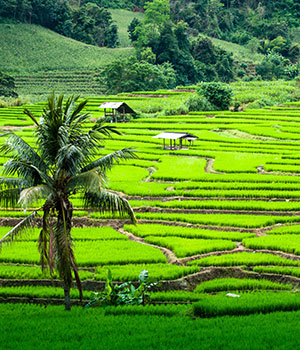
[183,247]
[247,303]
[233,220]
[236,284]
[244,259]
[144,230]
[130,272]
[286,243]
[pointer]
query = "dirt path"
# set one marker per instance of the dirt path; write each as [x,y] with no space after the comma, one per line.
[209,168]
[261,170]
[169,254]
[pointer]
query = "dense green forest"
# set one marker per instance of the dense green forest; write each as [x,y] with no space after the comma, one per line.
[167,35]
[238,21]
[88,22]
[173,38]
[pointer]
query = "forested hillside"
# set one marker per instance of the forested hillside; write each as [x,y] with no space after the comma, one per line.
[239,20]
[175,42]
[90,23]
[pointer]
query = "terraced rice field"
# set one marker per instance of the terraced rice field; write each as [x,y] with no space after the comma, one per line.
[80,82]
[222,216]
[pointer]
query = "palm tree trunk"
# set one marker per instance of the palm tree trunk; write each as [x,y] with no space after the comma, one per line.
[63,246]
[67,297]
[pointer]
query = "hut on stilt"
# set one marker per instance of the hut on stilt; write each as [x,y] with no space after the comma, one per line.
[117,111]
[185,140]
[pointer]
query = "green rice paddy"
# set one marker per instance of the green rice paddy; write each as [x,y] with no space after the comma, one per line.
[219,216]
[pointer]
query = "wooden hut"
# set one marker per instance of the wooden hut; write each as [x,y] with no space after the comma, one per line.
[117,111]
[184,139]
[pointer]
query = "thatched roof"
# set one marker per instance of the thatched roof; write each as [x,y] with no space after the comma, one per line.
[175,136]
[121,107]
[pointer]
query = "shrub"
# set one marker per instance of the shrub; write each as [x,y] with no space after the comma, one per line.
[179,110]
[7,86]
[123,294]
[132,75]
[272,66]
[217,94]
[198,103]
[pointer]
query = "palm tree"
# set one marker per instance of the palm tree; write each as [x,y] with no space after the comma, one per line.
[63,163]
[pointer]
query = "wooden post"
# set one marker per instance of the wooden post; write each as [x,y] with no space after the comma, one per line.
[164,144]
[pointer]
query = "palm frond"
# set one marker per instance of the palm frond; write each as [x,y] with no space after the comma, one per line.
[62,137]
[59,106]
[106,162]
[106,201]
[13,182]
[31,116]
[27,171]
[77,278]
[52,250]
[51,106]
[68,159]
[99,129]
[76,112]
[32,195]
[9,198]
[45,240]
[43,244]
[43,176]
[18,229]
[63,250]
[88,181]
[63,242]
[68,106]
[77,125]
[22,169]
[20,150]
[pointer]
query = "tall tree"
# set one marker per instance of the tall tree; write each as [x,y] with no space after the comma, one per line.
[64,162]
[157,12]
[7,86]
